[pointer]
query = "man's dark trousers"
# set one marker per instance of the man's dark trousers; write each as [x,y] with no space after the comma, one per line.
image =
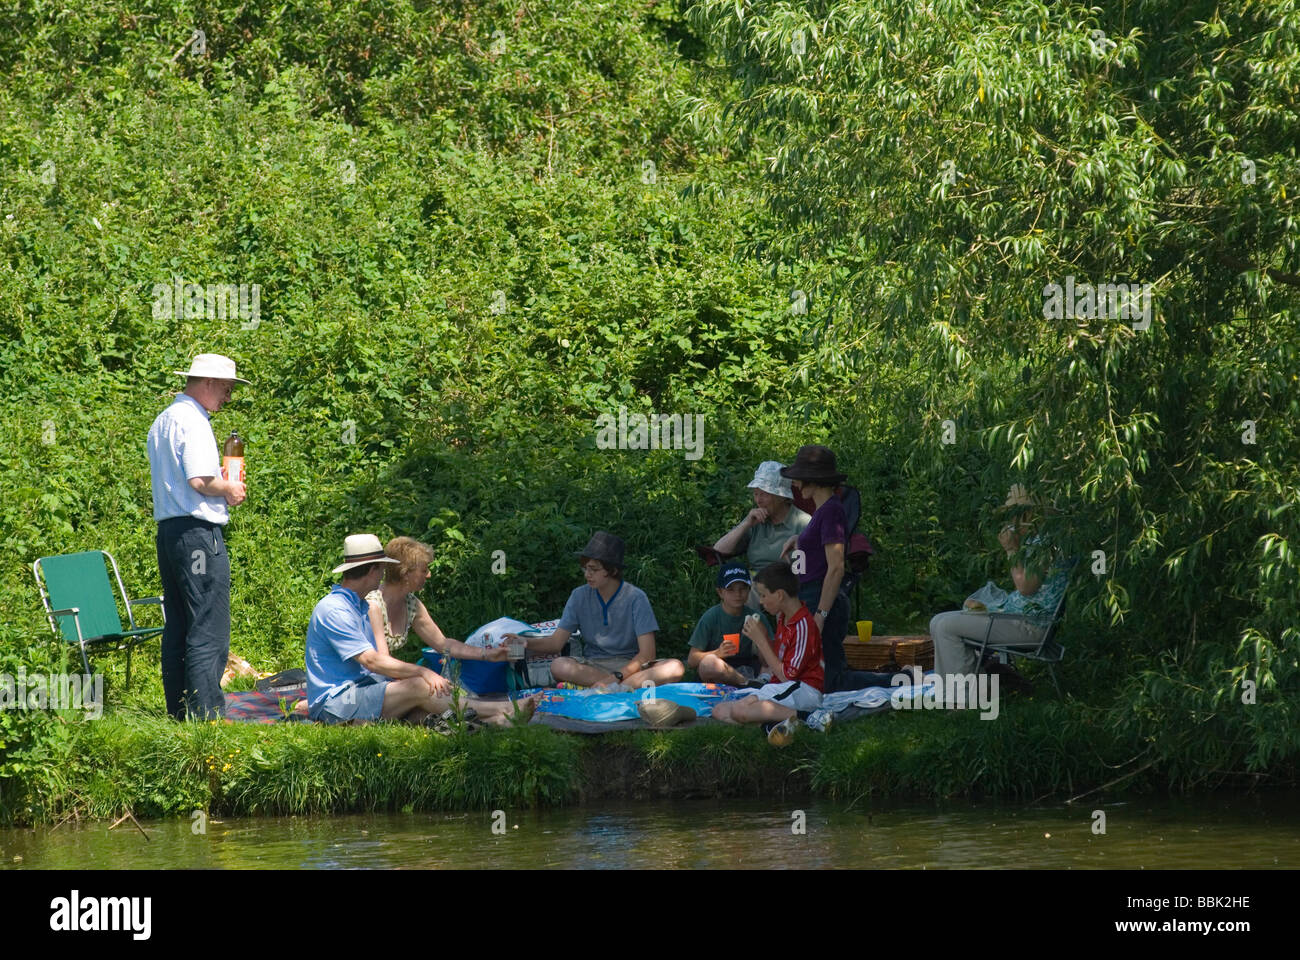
[195,570]
[838,676]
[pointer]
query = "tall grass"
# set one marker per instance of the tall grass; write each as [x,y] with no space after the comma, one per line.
[156,768]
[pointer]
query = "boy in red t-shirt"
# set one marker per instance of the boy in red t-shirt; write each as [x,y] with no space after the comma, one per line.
[796,668]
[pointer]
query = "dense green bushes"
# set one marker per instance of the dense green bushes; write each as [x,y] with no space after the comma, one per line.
[394,388]
[470,246]
[34,744]
[935,168]
[377,326]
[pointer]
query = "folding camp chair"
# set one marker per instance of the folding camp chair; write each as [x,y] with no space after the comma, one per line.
[1046,650]
[79,599]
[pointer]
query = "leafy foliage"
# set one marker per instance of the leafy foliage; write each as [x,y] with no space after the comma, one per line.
[447,304]
[934,168]
[470,244]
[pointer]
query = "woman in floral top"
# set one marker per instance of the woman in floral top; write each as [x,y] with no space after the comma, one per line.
[395,610]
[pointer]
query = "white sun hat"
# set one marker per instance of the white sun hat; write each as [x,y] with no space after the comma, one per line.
[360,549]
[212,365]
[768,478]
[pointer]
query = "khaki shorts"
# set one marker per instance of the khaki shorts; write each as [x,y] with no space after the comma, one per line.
[612,664]
[539,668]
[356,702]
[608,664]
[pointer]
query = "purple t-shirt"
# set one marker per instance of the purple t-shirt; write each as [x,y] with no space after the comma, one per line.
[828,525]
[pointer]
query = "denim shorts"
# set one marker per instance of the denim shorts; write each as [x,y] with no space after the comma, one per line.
[360,701]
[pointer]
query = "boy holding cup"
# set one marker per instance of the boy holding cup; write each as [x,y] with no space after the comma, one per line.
[795,667]
[720,653]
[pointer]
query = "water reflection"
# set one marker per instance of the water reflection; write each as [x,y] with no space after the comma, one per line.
[1215,832]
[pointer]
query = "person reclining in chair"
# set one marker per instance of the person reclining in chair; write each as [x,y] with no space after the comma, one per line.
[1039,586]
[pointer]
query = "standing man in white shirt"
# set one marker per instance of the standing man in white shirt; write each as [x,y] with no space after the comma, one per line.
[190,499]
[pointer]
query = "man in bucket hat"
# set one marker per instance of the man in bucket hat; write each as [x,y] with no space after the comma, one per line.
[762,534]
[615,621]
[190,504]
[350,681]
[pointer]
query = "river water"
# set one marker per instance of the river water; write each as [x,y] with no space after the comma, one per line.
[1214,831]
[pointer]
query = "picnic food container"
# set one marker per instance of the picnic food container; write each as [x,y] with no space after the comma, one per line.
[905,651]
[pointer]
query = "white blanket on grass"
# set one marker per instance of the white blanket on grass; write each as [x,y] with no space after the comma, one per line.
[868,698]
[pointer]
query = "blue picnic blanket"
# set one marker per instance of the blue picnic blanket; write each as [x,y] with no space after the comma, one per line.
[610,707]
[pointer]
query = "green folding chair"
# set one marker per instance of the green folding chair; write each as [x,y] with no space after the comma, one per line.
[79,601]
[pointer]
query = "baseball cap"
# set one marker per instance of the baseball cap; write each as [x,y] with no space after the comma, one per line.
[733,573]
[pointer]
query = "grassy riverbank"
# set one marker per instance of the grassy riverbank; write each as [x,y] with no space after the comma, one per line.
[479,228]
[1036,749]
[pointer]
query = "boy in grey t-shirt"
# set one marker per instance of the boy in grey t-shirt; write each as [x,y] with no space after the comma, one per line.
[616,622]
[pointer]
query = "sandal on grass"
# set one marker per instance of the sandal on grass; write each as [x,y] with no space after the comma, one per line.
[440,723]
[471,721]
[448,724]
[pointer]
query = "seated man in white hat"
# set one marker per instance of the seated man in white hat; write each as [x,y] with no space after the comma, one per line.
[190,504]
[762,535]
[349,680]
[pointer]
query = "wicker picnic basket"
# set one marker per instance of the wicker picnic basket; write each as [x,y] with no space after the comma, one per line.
[878,651]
